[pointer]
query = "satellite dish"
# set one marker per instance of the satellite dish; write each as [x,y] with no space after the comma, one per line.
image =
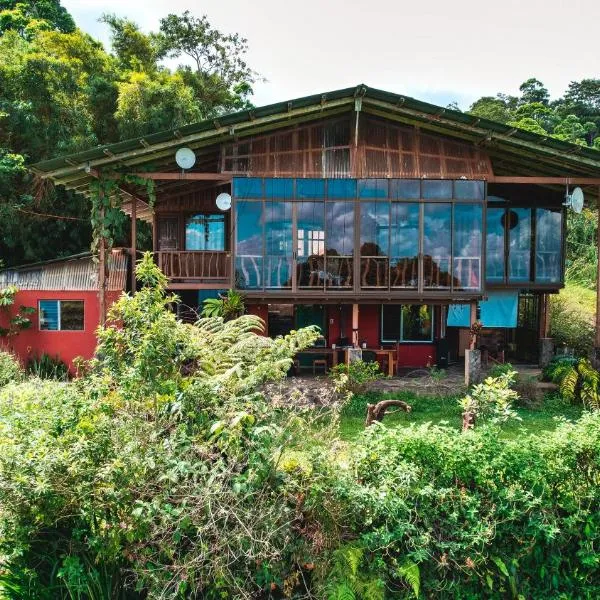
[185,158]
[576,200]
[223,201]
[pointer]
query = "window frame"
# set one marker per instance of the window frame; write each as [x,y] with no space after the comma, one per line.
[400,339]
[59,313]
[206,216]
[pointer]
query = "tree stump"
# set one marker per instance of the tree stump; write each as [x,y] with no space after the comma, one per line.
[376,412]
[468,420]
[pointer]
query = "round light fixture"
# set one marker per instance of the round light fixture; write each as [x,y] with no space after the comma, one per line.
[223,201]
[185,158]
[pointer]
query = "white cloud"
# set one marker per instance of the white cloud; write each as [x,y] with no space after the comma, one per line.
[437,51]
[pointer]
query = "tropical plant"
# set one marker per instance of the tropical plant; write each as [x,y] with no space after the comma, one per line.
[228,306]
[492,398]
[579,383]
[16,322]
[47,367]
[353,378]
[10,368]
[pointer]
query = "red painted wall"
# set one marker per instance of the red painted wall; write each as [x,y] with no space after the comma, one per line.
[67,345]
[369,316]
[262,311]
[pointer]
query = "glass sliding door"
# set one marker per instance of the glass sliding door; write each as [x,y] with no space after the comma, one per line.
[404,245]
[278,244]
[548,245]
[437,245]
[495,269]
[310,251]
[339,243]
[518,221]
[249,244]
[468,225]
[374,244]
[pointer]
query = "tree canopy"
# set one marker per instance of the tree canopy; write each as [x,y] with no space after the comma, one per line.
[61,91]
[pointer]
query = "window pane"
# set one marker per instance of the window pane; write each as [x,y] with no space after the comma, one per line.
[437,245]
[519,225]
[467,246]
[205,232]
[407,189]
[436,189]
[372,188]
[494,245]
[279,188]
[468,190]
[404,247]
[48,315]
[250,187]
[249,244]
[310,188]
[374,243]
[278,238]
[311,244]
[71,315]
[548,245]
[390,322]
[341,188]
[339,241]
[416,323]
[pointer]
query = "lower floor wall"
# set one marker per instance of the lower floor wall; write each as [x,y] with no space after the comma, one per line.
[65,345]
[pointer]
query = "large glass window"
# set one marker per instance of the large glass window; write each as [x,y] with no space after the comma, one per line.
[518,221]
[404,245]
[467,246]
[61,315]
[339,243]
[249,244]
[406,323]
[437,245]
[548,245]
[278,242]
[374,244]
[494,248]
[205,232]
[311,244]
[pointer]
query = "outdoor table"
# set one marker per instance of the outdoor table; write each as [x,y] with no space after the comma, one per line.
[378,352]
[323,351]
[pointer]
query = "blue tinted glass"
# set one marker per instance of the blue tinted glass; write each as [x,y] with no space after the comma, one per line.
[279,188]
[437,246]
[372,188]
[467,246]
[404,245]
[205,232]
[468,190]
[519,225]
[310,188]
[278,244]
[49,315]
[405,188]
[250,187]
[494,245]
[548,245]
[341,188]
[435,189]
[249,245]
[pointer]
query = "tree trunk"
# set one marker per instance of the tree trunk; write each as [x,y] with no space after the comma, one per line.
[376,412]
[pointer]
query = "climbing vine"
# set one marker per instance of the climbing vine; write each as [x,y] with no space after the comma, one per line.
[107,201]
[16,322]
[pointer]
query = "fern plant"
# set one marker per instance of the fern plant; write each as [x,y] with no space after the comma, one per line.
[348,581]
[580,384]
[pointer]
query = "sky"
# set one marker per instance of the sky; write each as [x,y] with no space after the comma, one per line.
[433,50]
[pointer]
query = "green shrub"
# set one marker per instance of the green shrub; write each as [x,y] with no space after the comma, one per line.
[47,367]
[501,369]
[425,510]
[569,327]
[353,378]
[10,368]
[558,368]
[580,384]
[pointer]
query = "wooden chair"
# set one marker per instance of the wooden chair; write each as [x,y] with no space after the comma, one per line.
[319,362]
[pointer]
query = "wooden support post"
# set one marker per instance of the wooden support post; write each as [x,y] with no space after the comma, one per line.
[544,316]
[355,325]
[472,319]
[102,270]
[133,243]
[597,337]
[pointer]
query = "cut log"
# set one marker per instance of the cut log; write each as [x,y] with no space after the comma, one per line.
[376,412]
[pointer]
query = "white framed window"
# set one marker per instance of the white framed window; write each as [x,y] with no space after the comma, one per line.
[61,315]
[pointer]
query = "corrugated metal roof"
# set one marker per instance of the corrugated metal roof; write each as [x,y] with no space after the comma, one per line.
[75,273]
[534,149]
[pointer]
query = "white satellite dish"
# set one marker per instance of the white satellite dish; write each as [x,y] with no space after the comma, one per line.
[223,201]
[185,158]
[575,200]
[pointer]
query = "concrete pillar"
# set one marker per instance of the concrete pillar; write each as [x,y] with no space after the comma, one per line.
[546,351]
[472,367]
[355,325]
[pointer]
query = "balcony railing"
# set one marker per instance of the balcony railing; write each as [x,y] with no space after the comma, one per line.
[206,266]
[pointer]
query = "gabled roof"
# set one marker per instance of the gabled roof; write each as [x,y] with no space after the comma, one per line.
[513,151]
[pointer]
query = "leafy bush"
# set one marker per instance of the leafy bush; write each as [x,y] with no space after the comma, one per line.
[556,369]
[424,510]
[569,327]
[500,369]
[492,398]
[353,378]
[229,306]
[580,384]
[10,368]
[47,367]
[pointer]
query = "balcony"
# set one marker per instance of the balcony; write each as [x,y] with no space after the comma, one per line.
[195,269]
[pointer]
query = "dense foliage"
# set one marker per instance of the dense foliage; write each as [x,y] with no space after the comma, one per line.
[164,473]
[61,91]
